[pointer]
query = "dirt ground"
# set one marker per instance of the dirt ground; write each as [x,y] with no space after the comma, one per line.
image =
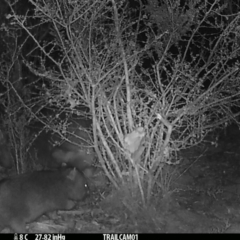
[203,198]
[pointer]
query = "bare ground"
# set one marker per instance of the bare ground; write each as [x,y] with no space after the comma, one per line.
[203,198]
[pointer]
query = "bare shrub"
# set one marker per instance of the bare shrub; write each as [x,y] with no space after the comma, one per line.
[142,116]
[15,99]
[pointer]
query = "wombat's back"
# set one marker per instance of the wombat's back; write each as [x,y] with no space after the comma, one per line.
[24,198]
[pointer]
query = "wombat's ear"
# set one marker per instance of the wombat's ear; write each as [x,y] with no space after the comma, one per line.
[72,174]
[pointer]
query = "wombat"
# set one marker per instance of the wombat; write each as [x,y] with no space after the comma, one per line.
[23,198]
[96,178]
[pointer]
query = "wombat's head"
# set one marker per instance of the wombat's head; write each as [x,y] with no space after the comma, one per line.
[96,178]
[77,185]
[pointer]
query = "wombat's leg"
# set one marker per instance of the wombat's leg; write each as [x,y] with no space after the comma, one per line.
[70,204]
[18,226]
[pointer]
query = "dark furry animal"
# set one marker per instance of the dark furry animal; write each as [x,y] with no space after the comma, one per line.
[96,178]
[23,198]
